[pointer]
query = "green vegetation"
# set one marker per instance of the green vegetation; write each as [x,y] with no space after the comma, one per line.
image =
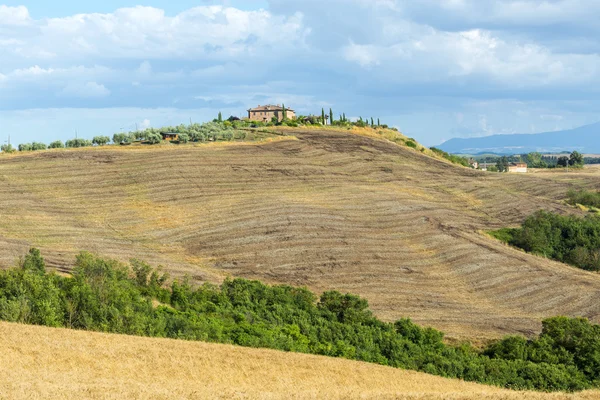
[537,160]
[569,239]
[451,157]
[411,143]
[104,295]
[7,148]
[57,144]
[584,197]
[76,143]
[101,140]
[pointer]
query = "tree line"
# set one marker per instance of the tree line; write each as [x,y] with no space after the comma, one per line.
[535,160]
[566,238]
[105,295]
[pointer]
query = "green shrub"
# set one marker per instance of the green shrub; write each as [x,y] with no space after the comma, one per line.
[105,295]
[57,144]
[569,239]
[451,157]
[584,197]
[76,143]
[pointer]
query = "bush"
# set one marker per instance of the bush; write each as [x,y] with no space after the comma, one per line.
[7,148]
[584,197]
[451,157]
[153,138]
[57,144]
[77,143]
[569,239]
[411,143]
[105,295]
[25,147]
[35,146]
[100,140]
[120,138]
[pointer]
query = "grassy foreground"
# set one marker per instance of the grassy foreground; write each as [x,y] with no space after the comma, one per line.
[48,363]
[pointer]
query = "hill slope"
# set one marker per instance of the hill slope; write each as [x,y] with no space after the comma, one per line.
[47,363]
[331,210]
[583,139]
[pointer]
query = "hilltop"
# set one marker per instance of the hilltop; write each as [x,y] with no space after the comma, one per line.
[328,209]
[583,139]
[49,363]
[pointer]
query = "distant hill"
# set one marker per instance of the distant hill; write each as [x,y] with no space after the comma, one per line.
[323,208]
[583,139]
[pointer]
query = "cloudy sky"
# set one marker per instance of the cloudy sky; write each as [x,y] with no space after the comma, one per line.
[436,69]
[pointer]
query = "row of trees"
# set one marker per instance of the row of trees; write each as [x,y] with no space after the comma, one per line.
[104,295]
[536,160]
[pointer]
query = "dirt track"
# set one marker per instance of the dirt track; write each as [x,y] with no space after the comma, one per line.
[331,210]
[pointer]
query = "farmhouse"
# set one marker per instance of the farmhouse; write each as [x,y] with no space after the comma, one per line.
[170,137]
[266,113]
[517,168]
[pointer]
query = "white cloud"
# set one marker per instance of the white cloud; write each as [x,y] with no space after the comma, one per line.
[145,124]
[85,90]
[147,32]
[14,15]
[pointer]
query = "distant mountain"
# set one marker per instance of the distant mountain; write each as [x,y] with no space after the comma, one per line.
[585,139]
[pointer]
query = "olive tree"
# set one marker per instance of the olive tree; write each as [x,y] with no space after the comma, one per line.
[154,138]
[57,144]
[100,140]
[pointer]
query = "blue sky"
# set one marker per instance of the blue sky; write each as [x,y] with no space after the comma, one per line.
[436,69]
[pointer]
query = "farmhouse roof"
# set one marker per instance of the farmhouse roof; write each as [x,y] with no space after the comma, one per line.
[270,108]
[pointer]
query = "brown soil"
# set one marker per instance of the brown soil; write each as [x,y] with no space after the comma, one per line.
[331,210]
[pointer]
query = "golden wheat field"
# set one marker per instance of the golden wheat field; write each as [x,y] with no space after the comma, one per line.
[46,363]
[326,209]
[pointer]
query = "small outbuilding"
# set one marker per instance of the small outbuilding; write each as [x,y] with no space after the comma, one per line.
[170,137]
[519,168]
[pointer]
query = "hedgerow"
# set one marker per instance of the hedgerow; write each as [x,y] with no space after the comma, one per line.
[104,295]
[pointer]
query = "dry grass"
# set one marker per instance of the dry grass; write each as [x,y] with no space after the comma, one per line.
[45,363]
[334,209]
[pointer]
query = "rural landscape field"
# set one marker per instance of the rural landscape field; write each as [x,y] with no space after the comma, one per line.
[327,209]
[277,199]
[43,363]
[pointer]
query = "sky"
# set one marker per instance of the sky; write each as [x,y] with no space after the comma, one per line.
[436,69]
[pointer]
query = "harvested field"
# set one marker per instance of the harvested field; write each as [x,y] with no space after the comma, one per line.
[45,363]
[331,210]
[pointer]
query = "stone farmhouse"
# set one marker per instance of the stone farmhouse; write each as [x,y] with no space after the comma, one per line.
[266,113]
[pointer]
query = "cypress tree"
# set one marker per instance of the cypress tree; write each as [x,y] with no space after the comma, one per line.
[330,116]
[323,115]
[220,118]
[284,112]
[372,122]
[378,123]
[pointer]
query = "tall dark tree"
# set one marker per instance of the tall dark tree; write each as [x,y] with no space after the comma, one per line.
[502,164]
[563,161]
[330,116]
[220,117]
[323,115]
[284,112]
[576,158]
[372,122]
[378,123]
